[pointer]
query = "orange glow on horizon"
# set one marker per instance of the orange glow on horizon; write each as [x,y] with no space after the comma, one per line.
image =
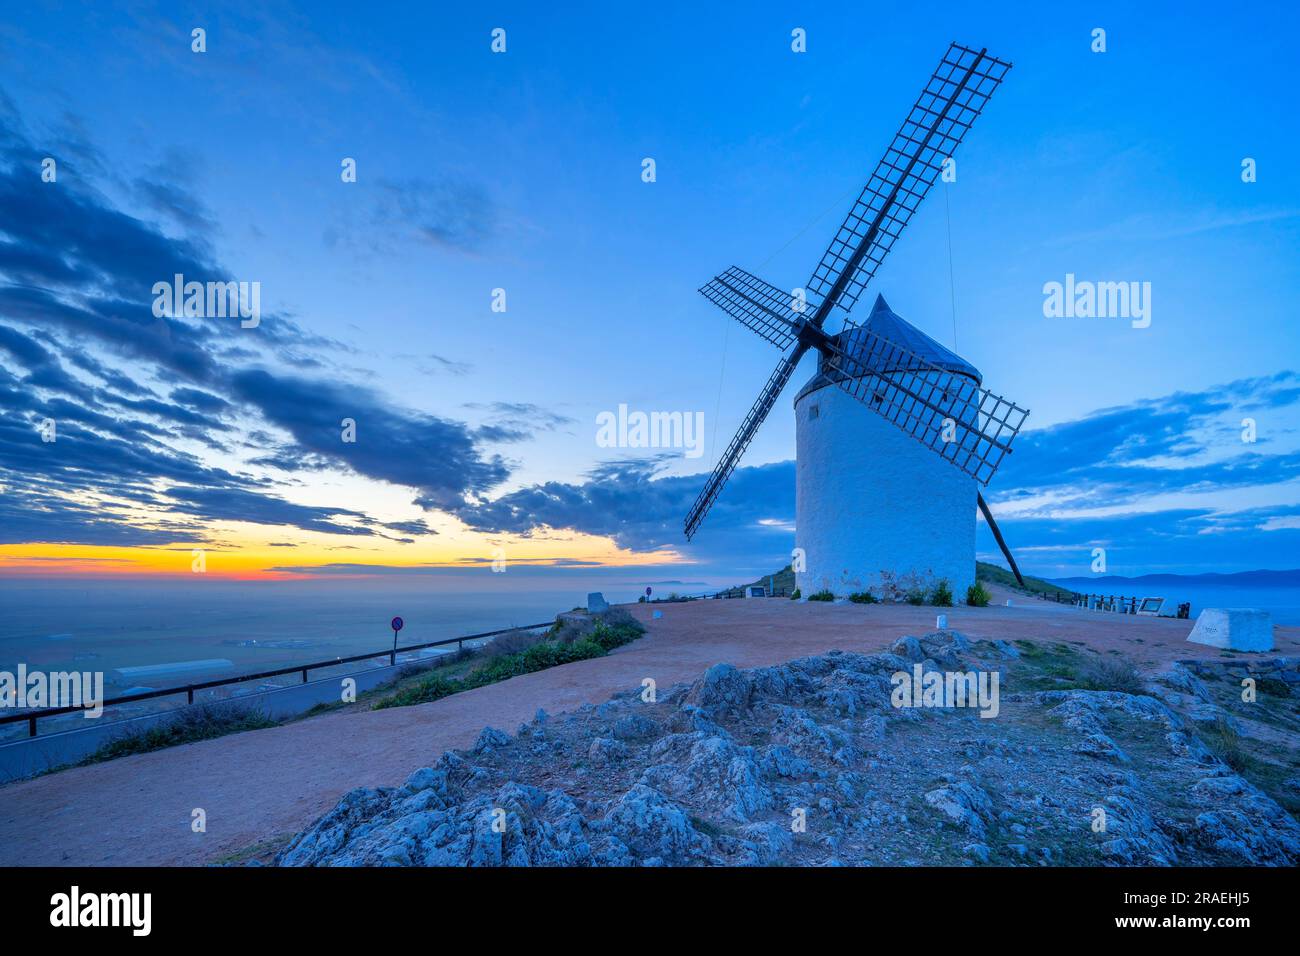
[257,560]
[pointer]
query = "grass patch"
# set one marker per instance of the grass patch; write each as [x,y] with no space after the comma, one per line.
[542,655]
[1107,673]
[1054,666]
[1272,687]
[1225,743]
[941,596]
[915,596]
[262,851]
[188,725]
[823,595]
[863,597]
[795,595]
[994,574]
[977,595]
[711,830]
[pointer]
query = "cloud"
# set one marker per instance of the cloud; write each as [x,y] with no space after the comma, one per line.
[1187,441]
[76,311]
[433,364]
[516,421]
[637,507]
[453,214]
[436,456]
[1128,459]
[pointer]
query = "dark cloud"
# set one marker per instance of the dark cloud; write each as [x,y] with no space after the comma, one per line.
[197,398]
[37,517]
[76,300]
[1119,455]
[1115,457]
[630,502]
[436,456]
[509,422]
[417,527]
[238,504]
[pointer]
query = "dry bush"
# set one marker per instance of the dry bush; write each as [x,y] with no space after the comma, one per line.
[1112,673]
[512,642]
[617,616]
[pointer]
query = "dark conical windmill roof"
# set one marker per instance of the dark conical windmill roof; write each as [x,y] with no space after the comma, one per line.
[891,326]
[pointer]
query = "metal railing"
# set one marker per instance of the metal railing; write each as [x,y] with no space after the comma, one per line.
[188,689]
[1118,604]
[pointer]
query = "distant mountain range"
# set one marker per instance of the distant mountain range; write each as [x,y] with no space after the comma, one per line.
[1241,579]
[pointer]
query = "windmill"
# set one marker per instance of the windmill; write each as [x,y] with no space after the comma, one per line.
[866,493]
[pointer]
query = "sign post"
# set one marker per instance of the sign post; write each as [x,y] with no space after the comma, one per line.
[396,624]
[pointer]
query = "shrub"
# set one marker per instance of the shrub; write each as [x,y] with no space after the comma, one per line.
[433,687]
[823,595]
[512,642]
[1273,687]
[795,595]
[573,629]
[942,594]
[863,597]
[595,638]
[1111,673]
[189,724]
[916,596]
[977,596]
[609,636]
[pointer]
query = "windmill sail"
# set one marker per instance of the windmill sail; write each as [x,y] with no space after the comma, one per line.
[758,305]
[938,121]
[947,411]
[748,428]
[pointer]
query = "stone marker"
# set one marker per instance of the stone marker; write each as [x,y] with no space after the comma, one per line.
[1234,628]
[596,602]
[941,622]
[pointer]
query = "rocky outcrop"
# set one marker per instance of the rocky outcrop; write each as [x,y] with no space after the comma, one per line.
[809,763]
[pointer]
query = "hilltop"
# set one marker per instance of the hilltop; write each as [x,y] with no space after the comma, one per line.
[784,581]
[265,786]
[1269,579]
[812,763]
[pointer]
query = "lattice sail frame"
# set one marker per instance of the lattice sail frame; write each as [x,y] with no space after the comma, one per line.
[945,411]
[909,168]
[758,305]
[776,383]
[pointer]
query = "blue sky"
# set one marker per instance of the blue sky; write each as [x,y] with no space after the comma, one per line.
[522,171]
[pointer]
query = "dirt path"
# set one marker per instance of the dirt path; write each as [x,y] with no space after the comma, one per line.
[258,785]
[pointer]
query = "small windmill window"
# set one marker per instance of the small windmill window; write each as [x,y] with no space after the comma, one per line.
[814,411]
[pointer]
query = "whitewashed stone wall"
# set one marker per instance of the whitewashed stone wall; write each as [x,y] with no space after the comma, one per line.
[870,502]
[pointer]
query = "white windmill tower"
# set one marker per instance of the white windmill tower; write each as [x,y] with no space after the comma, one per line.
[889,495]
